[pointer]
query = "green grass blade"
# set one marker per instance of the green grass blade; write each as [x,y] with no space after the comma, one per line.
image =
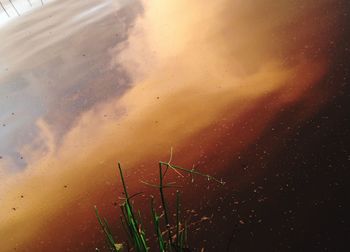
[161,242]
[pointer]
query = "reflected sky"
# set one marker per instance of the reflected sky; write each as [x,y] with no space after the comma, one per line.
[50,74]
[10,12]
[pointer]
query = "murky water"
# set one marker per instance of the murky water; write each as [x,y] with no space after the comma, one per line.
[86,83]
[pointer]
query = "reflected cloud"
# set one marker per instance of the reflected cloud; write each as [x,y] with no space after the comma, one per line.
[54,70]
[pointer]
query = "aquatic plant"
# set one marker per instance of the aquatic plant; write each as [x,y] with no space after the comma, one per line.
[173,238]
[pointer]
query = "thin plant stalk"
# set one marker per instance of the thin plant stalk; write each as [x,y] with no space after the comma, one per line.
[105,227]
[161,186]
[136,232]
[164,205]
[177,218]
[192,172]
[156,218]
